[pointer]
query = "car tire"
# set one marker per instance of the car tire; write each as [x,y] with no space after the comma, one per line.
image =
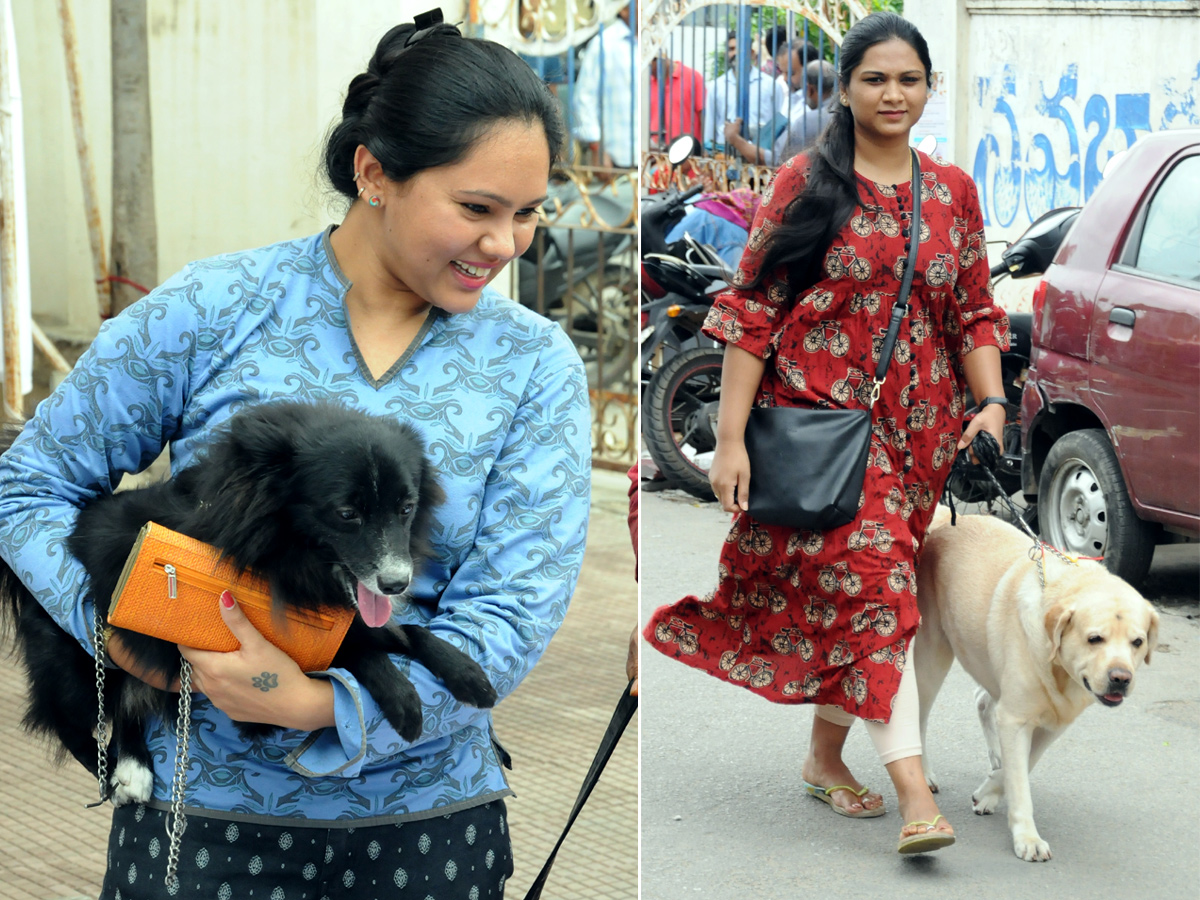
[1084,507]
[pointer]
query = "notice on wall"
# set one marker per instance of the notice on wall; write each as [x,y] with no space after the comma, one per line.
[935,120]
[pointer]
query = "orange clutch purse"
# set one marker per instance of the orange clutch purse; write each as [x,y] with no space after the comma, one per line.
[170,588]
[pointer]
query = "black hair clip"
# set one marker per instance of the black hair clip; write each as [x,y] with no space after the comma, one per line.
[427,23]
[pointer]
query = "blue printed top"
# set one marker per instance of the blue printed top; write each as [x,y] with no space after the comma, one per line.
[501,398]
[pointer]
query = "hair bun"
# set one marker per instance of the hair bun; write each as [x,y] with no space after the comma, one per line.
[359,94]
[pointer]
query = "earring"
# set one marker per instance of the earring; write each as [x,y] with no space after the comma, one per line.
[360,191]
[374,201]
[357,176]
[845,100]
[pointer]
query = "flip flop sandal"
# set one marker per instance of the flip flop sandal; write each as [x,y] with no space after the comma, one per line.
[822,794]
[926,840]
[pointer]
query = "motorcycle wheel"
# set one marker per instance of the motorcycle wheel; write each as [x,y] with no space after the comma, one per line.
[679,418]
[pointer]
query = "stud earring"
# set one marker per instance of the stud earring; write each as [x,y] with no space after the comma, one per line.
[845,100]
[374,201]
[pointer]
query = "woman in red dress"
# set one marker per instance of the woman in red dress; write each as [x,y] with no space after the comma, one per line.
[828,617]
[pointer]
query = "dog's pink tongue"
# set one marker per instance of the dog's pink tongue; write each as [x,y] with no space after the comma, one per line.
[376,609]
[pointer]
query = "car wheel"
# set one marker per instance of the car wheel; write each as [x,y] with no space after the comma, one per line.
[1084,507]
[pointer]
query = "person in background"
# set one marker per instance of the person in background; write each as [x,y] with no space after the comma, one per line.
[805,125]
[767,99]
[676,102]
[790,60]
[603,98]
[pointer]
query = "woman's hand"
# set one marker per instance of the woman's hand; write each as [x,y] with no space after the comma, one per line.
[258,682]
[729,475]
[989,419]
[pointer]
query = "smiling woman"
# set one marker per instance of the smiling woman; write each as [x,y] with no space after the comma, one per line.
[443,151]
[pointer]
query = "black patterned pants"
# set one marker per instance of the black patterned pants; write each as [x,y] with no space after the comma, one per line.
[466,855]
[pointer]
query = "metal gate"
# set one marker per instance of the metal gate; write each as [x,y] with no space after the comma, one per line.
[581,270]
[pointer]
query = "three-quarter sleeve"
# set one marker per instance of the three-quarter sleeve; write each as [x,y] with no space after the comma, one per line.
[982,322]
[748,316]
[113,414]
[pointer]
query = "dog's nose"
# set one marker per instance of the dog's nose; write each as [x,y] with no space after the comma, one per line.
[1119,678]
[393,587]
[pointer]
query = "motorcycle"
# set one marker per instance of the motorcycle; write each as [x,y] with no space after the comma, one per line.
[681,393]
[586,275]
[680,367]
[1027,256]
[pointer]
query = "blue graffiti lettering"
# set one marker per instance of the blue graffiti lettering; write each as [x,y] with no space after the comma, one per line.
[1047,188]
[1034,179]
[1095,113]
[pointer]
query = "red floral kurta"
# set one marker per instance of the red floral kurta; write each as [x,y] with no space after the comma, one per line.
[825,617]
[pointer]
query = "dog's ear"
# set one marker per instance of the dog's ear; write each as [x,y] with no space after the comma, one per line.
[1152,634]
[1057,620]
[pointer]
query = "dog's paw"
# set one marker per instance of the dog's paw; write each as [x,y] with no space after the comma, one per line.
[405,717]
[1030,847]
[468,684]
[932,780]
[985,800]
[131,782]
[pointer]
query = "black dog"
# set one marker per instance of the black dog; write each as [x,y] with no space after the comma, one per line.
[330,505]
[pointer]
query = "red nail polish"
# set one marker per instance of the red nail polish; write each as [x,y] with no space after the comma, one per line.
[227,599]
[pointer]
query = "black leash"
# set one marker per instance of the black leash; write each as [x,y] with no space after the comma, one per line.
[626,707]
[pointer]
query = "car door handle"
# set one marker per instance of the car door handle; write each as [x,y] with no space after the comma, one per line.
[1122,316]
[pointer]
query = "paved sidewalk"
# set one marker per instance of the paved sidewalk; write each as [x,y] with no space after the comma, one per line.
[723,815]
[54,847]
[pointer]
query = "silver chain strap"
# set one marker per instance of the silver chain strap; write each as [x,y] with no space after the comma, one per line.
[101,722]
[177,822]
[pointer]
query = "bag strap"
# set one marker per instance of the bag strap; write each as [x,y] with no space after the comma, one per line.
[626,707]
[900,310]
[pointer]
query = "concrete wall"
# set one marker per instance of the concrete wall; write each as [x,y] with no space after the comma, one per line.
[1041,93]
[241,96]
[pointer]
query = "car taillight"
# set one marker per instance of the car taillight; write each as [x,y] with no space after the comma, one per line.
[1039,302]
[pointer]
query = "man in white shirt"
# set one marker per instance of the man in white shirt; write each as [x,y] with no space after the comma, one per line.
[766,98]
[808,118]
[603,95]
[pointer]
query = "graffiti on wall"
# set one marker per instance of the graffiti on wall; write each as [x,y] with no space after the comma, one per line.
[1049,150]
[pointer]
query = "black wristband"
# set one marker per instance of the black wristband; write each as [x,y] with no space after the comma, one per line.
[1003,401]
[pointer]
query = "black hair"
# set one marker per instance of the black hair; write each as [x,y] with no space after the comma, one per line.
[425,105]
[777,39]
[813,219]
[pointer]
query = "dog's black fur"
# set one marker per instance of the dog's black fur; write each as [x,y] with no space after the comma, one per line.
[313,497]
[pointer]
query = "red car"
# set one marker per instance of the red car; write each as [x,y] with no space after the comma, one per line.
[1111,409]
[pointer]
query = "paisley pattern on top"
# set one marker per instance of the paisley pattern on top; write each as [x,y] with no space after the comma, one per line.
[500,396]
[826,617]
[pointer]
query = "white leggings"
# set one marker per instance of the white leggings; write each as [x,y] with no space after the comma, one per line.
[901,736]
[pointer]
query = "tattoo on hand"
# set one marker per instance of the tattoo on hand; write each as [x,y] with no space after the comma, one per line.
[266,681]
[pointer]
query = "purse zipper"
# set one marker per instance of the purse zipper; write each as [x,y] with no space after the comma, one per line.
[245,594]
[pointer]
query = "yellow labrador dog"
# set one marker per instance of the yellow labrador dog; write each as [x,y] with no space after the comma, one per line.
[1040,656]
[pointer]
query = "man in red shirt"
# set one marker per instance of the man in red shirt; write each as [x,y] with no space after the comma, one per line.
[680,90]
